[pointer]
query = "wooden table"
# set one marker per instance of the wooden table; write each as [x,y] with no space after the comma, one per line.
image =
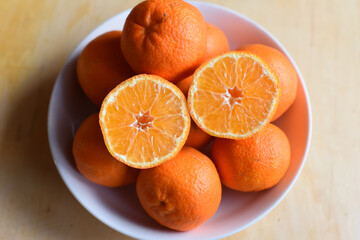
[36,37]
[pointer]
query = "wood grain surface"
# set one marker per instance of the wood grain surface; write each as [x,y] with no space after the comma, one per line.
[37,36]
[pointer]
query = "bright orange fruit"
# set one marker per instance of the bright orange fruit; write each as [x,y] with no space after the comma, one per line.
[217,42]
[283,69]
[184,84]
[233,95]
[197,137]
[182,193]
[255,163]
[94,161]
[164,37]
[145,121]
[101,66]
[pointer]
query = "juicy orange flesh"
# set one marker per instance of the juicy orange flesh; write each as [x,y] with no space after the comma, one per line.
[234,95]
[145,122]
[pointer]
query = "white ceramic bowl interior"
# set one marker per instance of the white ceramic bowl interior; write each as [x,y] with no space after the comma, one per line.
[119,207]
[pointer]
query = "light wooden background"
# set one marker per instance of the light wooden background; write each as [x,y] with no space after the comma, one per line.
[36,37]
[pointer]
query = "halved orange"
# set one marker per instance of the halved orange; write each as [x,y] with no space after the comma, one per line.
[144,121]
[233,95]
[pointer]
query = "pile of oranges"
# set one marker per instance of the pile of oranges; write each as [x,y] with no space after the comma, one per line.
[167,87]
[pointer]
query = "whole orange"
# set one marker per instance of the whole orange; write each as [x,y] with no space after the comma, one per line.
[284,70]
[255,163]
[184,84]
[101,66]
[164,37]
[182,193]
[217,42]
[197,138]
[93,160]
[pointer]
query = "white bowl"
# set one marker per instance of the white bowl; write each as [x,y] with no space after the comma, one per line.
[119,208]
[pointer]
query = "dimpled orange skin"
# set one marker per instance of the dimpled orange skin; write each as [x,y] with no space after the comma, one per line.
[255,163]
[93,159]
[164,37]
[101,66]
[284,70]
[182,193]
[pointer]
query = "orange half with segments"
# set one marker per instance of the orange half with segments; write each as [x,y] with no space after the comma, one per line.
[144,121]
[233,95]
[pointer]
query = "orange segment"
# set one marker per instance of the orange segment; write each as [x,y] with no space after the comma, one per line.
[233,95]
[144,121]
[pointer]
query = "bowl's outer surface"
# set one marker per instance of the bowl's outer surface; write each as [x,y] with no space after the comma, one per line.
[119,208]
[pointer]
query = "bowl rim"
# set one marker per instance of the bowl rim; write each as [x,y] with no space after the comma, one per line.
[196,4]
